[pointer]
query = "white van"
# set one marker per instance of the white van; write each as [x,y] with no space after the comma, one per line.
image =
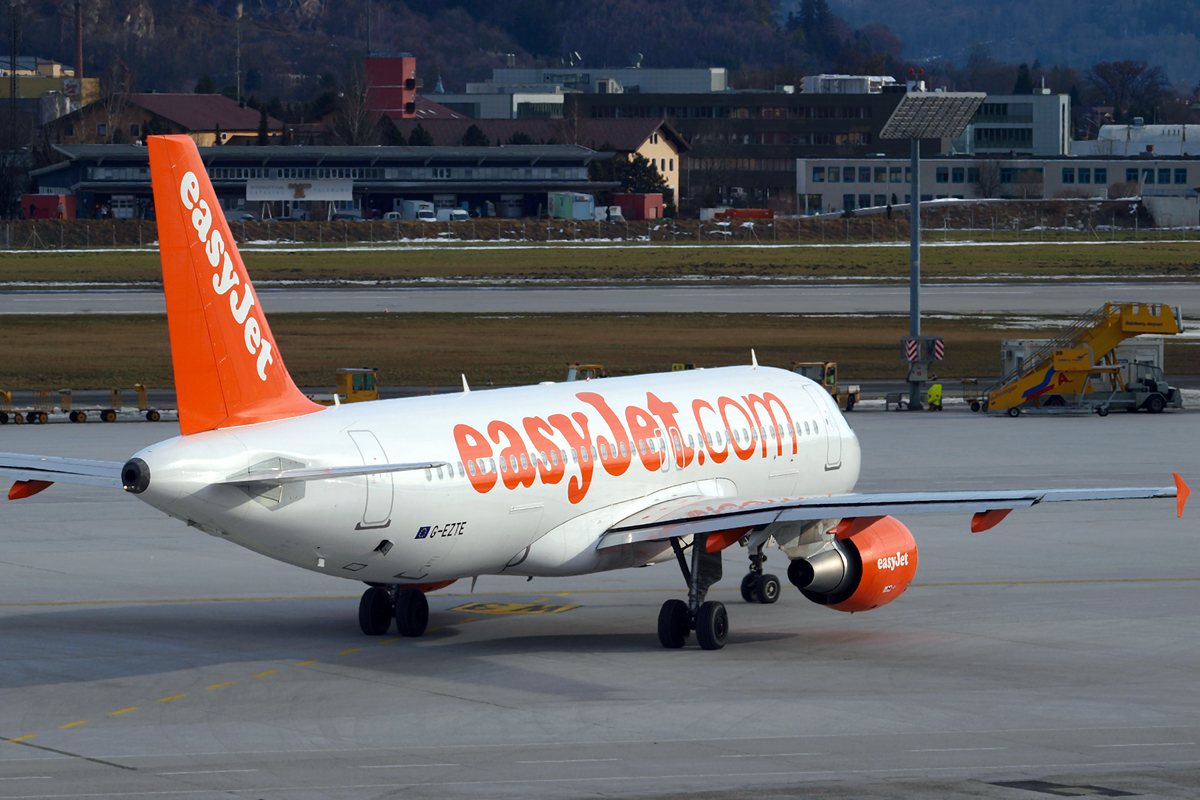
[452,215]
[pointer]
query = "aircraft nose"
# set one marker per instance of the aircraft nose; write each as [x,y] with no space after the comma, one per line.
[135,476]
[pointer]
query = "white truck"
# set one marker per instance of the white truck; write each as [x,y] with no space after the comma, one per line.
[452,215]
[419,210]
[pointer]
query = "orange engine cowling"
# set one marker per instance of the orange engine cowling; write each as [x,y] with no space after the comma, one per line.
[870,563]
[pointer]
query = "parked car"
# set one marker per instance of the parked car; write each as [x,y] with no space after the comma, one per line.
[239,215]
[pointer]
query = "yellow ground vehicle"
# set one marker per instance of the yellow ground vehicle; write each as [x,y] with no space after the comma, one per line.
[1058,375]
[825,373]
[585,372]
[354,385]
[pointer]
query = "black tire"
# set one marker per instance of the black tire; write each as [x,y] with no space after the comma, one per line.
[766,589]
[375,611]
[1014,412]
[153,416]
[1155,404]
[673,624]
[712,625]
[3,417]
[73,416]
[109,415]
[412,613]
[748,587]
[33,417]
[1102,411]
[975,405]
[1055,401]
[850,403]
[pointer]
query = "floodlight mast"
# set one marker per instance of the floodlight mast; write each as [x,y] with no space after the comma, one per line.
[924,115]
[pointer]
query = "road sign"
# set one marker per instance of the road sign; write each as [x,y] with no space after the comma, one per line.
[912,349]
[939,349]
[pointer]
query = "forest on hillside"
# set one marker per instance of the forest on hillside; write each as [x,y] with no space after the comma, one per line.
[1075,33]
[291,48]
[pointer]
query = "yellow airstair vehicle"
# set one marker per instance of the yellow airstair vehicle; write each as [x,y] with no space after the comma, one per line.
[1058,375]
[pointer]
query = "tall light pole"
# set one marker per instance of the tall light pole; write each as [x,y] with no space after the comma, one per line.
[239,54]
[924,115]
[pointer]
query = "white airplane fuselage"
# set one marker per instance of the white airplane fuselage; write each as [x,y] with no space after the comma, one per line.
[698,433]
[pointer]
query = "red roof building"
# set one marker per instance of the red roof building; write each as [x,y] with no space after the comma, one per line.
[126,118]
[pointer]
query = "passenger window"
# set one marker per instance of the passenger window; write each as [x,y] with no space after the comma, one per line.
[652,445]
[690,443]
[524,463]
[461,473]
[554,457]
[428,474]
[662,445]
[503,466]
[493,463]
[815,428]
[471,468]
[772,430]
[642,446]
[544,459]
[604,451]
[624,452]
[583,453]
[745,435]
[806,430]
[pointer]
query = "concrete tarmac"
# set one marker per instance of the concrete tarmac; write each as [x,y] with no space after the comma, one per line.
[1068,298]
[1052,656]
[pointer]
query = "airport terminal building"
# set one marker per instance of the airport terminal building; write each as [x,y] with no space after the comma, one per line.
[318,183]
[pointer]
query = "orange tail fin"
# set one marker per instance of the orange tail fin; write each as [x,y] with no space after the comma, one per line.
[228,370]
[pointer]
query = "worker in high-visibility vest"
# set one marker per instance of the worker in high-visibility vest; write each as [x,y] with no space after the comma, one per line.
[934,397]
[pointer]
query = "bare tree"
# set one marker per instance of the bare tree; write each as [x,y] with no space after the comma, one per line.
[1128,84]
[988,184]
[355,123]
[1031,185]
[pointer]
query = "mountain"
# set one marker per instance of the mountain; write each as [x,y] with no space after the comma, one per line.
[1069,32]
[295,49]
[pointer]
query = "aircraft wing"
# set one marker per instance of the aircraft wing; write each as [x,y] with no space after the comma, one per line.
[52,469]
[690,515]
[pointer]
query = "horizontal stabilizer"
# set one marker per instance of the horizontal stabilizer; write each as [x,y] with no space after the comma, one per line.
[322,473]
[60,470]
[688,516]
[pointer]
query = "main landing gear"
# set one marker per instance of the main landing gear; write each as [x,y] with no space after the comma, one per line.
[677,619]
[381,604]
[756,585]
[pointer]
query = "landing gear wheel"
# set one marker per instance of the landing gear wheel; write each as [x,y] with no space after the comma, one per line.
[673,624]
[412,612]
[375,611]
[748,587]
[1014,412]
[766,589]
[712,625]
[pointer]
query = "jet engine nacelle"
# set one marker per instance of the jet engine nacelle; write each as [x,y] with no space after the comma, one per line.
[871,562]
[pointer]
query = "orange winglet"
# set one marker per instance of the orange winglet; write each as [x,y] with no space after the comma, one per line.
[1182,492]
[986,520]
[22,489]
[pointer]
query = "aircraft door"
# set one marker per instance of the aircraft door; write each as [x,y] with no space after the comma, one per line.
[833,434]
[378,510]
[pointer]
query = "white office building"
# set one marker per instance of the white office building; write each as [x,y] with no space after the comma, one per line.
[1019,124]
[825,185]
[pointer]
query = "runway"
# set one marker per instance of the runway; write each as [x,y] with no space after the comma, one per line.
[142,658]
[1055,298]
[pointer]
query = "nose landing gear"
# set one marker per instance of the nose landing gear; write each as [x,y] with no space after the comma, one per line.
[380,604]
[677,619]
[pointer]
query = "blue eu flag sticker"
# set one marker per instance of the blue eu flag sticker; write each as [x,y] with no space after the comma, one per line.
[423,532]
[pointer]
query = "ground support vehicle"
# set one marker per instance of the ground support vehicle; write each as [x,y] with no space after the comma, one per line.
[354,385]
[825,373]
[585,372]
[1083,361]
[43,407]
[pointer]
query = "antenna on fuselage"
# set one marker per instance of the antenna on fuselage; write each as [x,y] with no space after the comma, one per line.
[753,359]
[466,388]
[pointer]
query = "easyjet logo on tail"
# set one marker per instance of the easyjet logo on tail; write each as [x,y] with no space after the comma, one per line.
[226,278]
